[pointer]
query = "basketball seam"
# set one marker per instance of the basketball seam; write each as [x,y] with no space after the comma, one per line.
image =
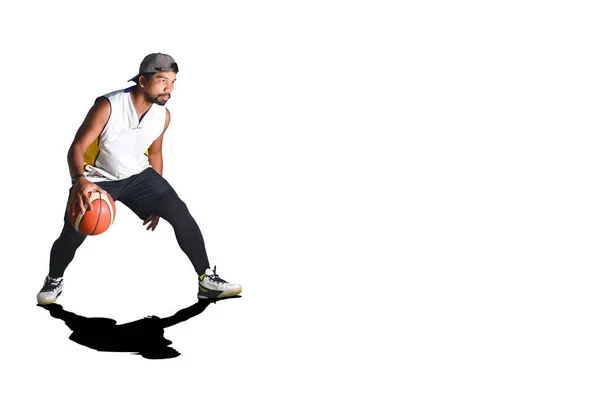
[99,215]
[110,208]
[77,221]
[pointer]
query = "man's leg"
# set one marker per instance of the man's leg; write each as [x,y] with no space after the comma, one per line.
[63,249]
[170,207]
[61,254]
[150,194]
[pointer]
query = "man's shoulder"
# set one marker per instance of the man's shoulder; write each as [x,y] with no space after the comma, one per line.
[118,92]
[112,98]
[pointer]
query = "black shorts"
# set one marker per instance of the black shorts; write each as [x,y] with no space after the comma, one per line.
[140,192]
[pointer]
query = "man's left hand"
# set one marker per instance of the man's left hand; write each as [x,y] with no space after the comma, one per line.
[153,220]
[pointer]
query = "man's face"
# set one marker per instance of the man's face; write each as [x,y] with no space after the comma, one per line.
[159,87]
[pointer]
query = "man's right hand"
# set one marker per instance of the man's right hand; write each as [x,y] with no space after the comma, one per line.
[80,196]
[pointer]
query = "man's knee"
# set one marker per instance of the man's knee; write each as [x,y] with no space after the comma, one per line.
[170,204]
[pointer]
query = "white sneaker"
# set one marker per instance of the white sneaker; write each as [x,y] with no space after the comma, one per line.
[211,286]
[51,290]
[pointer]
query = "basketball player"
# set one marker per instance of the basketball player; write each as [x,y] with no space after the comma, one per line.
[118,150]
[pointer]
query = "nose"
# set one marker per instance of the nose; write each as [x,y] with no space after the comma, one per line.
[169,87]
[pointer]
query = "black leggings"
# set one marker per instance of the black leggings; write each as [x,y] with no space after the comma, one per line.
[146,193]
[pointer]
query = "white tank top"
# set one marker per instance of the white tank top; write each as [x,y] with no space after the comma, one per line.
[120,150]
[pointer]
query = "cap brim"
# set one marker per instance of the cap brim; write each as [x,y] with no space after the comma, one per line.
[135,78]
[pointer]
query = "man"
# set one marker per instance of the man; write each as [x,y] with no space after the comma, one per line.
[118,150]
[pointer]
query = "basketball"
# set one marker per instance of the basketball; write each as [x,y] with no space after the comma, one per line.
[95,221]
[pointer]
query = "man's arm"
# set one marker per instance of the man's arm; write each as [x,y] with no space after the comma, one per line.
[155,150]
[89,130]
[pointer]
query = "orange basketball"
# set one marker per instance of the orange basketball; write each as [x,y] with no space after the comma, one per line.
[95,221]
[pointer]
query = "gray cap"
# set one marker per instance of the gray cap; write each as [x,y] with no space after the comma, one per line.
[157,62]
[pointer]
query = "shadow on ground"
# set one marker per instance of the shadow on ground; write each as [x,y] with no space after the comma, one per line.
[144,337]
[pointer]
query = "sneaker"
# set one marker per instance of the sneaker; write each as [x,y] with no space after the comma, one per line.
[211,286]
[51,290]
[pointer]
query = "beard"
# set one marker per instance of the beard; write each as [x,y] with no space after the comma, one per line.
[160,100]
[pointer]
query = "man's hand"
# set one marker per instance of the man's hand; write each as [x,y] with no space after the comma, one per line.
[153,220]
[80,196]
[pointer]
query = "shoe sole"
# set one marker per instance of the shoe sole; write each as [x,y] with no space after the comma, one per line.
[49,301]
[227,293]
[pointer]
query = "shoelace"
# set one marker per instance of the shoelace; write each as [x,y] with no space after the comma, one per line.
[51,284]
[215,277]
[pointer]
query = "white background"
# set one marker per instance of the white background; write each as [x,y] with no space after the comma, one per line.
[407,191]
